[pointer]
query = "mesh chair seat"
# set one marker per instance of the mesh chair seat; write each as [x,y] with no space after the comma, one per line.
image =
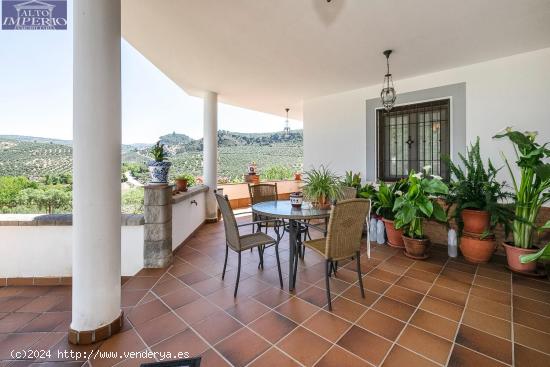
[256,239]
[318,245]
[270,224]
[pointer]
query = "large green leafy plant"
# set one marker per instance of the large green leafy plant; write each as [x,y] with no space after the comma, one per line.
[321,183]
[531,187]
[383,199]
[419,203]
[476,187]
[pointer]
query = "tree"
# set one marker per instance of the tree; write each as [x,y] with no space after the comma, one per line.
[46,198]
[10,188]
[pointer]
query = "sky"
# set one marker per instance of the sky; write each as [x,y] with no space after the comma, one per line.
[36,93]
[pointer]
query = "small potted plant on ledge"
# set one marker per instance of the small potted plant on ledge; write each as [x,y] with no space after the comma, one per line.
[159,167]
[417,204]
[321,186]
[532,190]
[475,199]
[184,181]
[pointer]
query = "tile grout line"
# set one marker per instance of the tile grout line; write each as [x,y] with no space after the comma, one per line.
[233,333]
[360,316]
[407,323]
[462,317]
[374,302]
[315,313]
[461,323]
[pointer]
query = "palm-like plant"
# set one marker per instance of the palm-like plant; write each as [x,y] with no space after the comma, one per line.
[352,180]
[158,152]
[476,187]
[533,185]
[321,184]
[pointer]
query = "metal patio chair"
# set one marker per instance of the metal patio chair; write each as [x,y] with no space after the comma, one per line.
[239,243]
[343,237]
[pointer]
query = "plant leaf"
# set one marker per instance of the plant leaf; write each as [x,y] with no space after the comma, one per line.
[439,213]
[543,254]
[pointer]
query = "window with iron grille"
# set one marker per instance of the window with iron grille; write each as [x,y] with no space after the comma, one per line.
[411,137]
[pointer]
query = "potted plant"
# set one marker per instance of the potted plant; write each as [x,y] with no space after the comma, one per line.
[475,198]
[352,180]
[417,204]
[531,190]
[184,181]
[321,186]
[159,167]
[383,201]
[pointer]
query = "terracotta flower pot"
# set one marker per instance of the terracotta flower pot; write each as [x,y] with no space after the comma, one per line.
[476,250]
[416,248]
[512,255]
[323,203]
[395,238]
[476,221]
[181,184]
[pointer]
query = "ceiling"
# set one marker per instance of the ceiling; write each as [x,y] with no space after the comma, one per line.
[266,55]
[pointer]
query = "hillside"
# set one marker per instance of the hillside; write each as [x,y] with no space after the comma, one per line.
[36,157]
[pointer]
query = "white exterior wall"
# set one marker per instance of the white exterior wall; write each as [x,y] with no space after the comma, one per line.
[46,251]
[187,217]
[511,91]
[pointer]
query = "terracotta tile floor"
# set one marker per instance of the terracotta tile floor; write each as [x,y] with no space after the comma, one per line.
[415,313]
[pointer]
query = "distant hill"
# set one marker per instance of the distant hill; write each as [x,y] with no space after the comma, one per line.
[34,139]
[36,157]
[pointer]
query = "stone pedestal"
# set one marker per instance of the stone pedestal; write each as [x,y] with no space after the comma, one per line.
[157,212]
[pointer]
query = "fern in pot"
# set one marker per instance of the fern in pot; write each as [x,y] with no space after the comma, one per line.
[476,199]
[321,186]
[416,205]
[532,191]
[159,166]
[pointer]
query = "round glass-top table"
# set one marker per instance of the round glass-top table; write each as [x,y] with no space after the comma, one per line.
[282,209]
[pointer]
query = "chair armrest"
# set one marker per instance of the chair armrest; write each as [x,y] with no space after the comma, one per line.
[309,225]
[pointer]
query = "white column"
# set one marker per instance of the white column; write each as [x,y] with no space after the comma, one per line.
[96,164]
[210,152]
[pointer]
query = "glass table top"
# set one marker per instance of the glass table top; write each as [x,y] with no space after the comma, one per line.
[283,209]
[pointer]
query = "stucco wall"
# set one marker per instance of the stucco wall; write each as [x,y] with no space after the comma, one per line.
[46,250]
[509,91]
[187,215]
[34,246]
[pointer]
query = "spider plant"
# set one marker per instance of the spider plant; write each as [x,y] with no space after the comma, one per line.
[531,187]
[321,185]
